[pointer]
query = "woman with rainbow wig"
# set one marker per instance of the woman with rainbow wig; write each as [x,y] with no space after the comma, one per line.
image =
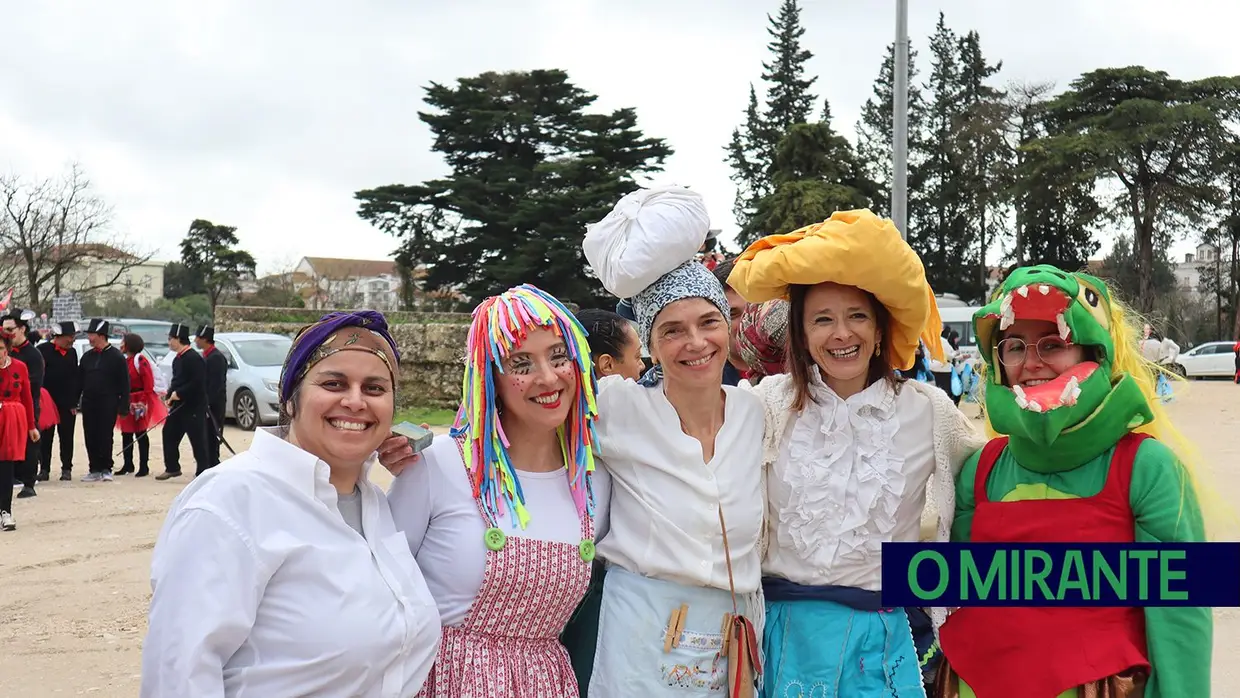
[502,516]
[1082,451]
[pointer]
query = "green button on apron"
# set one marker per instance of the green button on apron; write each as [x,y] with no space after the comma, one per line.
[494,538]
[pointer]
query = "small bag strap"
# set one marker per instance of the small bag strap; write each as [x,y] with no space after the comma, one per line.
[727,553]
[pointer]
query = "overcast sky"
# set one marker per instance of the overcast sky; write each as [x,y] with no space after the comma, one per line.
[268,115]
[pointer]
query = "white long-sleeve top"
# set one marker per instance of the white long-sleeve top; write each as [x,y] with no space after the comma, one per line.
[260,588]
[433,504]
[665,500]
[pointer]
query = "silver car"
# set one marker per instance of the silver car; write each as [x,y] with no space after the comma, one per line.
[254,361]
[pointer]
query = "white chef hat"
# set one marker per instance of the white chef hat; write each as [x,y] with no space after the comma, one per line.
[645,249]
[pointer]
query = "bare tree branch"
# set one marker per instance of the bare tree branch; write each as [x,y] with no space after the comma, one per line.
[53,232]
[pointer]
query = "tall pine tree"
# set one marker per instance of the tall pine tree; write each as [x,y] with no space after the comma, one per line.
[982,150]
[942,231]
[816,174]
[751,153]
[874,133]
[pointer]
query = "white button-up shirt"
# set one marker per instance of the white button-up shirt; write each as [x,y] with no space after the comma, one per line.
[665,501]
[260,588]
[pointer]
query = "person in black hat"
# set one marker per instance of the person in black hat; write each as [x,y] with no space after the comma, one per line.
[15,325]
[217,391]
[60,378]
[104,396]
[187,404]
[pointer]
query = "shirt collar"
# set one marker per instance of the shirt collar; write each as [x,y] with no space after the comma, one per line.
[297,468]
[879,396]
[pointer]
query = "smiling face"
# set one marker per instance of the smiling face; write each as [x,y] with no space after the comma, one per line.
[343,409]
[1033,353]
[690,340]
[841,332]
[1037,394]
[539,383]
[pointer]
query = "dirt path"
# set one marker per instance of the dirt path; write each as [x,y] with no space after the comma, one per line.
[75,573]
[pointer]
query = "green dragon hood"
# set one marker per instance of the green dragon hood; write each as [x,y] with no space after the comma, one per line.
[1051,421]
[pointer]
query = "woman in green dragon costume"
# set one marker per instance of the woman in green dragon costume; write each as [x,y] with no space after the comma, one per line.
[1087,455]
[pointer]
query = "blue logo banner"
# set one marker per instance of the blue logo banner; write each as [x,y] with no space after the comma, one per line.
[1061,574]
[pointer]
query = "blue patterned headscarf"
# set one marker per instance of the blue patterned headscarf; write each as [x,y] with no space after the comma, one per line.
[689,280]
[355,330]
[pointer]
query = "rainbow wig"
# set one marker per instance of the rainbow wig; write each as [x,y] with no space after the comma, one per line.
[500,324]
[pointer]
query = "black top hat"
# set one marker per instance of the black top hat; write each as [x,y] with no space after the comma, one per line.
[99,326]
[206,332]
[67,327]
[179,331]
[21,317]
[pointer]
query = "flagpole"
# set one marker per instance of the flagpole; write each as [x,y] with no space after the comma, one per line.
[899,123]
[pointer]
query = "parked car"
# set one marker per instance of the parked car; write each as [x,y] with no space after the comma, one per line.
[1208,360]
[254,361]
[154,333]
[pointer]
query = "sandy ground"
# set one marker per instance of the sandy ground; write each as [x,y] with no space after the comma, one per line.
[74,576]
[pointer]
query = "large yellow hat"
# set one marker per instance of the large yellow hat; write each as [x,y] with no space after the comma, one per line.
[852,248]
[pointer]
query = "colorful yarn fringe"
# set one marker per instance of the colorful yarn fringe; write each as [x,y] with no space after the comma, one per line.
[500,325]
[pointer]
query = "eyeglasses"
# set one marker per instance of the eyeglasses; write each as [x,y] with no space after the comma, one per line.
[1012,351]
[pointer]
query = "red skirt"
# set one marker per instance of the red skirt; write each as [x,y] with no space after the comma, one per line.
[145,410]
[49,416]
[14,433]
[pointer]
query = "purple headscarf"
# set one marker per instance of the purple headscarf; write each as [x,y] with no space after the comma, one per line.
[325,337]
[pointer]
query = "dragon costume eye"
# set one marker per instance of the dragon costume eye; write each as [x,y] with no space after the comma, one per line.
[1093,301]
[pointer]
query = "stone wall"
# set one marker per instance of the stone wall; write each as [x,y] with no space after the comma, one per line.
[432,347]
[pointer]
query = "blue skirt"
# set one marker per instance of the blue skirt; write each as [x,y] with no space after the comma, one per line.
[824,649]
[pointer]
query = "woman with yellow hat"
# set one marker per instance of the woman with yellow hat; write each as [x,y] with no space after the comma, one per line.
[854,455]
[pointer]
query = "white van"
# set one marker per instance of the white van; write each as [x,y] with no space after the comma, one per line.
[960,319]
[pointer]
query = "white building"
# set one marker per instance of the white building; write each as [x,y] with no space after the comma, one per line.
[101,272]
[1188,272]
[328,282]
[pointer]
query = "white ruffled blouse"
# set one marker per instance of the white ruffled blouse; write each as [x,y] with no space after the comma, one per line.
[851,474]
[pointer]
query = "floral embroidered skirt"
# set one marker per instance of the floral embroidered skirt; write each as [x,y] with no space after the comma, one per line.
[633,659]
[827,649]
[477,665]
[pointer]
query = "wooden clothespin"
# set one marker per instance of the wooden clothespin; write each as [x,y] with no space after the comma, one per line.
[670,638]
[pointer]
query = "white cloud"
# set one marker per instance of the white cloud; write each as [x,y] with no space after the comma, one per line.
[268,116]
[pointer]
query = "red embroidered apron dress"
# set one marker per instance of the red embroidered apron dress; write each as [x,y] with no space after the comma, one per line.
[509,644]
[1042,652]
[145,406]
[16,412]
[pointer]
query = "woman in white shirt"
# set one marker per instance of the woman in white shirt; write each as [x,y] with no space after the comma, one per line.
[502,517]
[280,572]
[851,452]
[684,455]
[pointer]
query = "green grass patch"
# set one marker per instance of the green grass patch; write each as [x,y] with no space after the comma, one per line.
[433,416]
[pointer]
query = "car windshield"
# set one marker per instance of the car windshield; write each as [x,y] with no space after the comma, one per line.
[263,352]
[150,334]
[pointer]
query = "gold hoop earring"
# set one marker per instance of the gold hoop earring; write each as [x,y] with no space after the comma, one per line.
[878,347]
